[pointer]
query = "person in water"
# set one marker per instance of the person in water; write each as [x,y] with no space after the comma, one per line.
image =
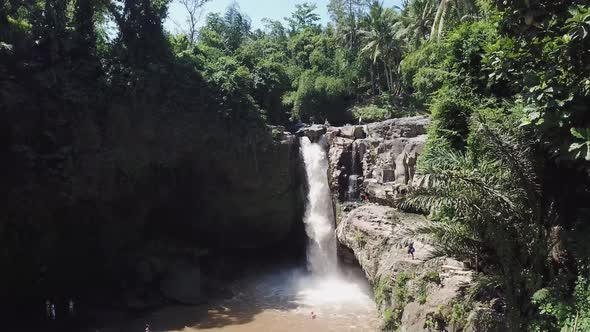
[53,317]
[411,249]
[71,307]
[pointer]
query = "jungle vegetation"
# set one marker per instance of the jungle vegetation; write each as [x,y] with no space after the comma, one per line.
[506,82]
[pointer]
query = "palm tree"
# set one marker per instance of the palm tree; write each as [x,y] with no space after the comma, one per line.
[382,43]
[418,17]
[486,208]
[463,9]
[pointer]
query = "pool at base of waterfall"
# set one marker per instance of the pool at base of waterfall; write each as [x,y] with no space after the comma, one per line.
[288,300]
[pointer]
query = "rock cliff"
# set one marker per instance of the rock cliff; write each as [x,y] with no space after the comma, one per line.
[408,291]
[413,294]
[89,197]
[378,158]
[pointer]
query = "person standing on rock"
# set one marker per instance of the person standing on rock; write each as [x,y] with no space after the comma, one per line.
[411,249]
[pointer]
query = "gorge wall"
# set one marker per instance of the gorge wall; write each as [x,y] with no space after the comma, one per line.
[372,167]
[125,197]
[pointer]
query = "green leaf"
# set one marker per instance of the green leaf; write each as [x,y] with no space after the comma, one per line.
[580,133]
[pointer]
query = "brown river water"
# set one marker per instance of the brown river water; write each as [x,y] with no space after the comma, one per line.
[277,301]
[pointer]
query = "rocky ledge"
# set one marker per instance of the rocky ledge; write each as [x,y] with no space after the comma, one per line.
[419,294]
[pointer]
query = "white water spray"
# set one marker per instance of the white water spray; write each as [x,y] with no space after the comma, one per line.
[319,215]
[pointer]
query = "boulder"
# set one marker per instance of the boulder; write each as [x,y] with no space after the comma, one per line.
[331,134]
[313,132]
[354,132]
[400,127]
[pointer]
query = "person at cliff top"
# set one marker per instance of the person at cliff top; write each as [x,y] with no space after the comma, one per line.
[411,249]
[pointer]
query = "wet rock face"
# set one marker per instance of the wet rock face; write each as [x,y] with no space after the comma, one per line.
[383,155]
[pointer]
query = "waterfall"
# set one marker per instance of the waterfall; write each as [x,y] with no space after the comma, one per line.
[353,189]
[319,215]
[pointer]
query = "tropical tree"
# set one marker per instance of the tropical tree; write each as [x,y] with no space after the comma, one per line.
[226,31]
[463,9]
[381,43]
[417,18]
[303,17]
[347,14]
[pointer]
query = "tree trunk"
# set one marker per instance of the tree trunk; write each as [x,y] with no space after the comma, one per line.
[385,71]
[439,19]
[388,76]
[441,22]
[436,19]
[372,71]
[84,21]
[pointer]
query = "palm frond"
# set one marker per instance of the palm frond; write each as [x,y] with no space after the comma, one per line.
[455,172]
[448,239]
[518,159]
[483,283]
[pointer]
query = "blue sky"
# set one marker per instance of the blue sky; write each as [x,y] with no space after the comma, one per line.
[255,9]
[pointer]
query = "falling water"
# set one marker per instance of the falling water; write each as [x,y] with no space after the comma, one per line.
[354,156]
[353,188]
[319,215]
[353,179]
